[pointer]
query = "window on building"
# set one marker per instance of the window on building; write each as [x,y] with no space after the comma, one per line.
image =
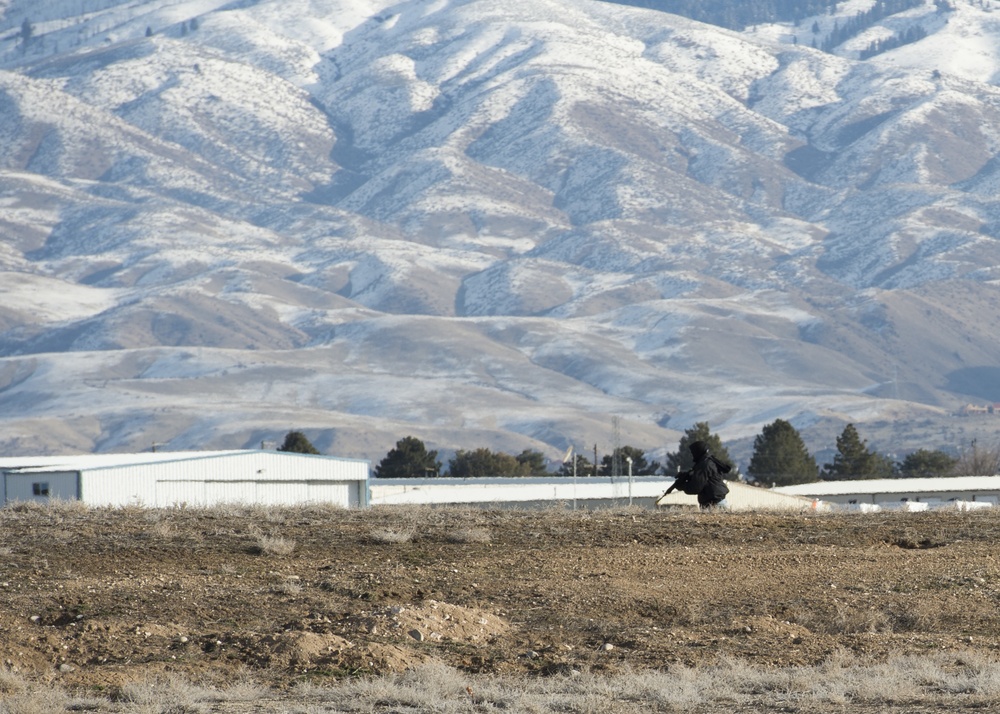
[40,488]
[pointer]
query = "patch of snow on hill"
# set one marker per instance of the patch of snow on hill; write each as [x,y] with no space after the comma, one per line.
[51,300]
[372,219]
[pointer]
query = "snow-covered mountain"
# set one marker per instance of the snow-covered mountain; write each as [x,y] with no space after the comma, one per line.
[491,224]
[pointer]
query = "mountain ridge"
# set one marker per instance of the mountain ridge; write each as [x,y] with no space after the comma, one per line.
[462,221]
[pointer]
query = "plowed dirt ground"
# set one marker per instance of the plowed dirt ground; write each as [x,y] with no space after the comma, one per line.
[93,600]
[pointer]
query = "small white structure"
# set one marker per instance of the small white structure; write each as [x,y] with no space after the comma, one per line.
[582,492]
[193,478]
[903,493]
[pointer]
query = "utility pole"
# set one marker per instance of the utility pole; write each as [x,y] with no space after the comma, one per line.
[616,448]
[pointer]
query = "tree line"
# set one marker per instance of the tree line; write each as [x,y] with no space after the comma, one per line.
[27,33]
[861,21]
[877,47]
[739,14]
[780,458]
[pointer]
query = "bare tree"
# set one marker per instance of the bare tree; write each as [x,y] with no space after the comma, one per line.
[978,461]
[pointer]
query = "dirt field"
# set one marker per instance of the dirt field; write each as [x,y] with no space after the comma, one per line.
[97,600]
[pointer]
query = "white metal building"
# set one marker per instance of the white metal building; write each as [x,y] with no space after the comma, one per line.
[902,492]
[582,492]
[517,492]
[193,478]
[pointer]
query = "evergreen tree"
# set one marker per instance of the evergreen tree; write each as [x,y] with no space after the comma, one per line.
[27,31]
[780,457]
[923,463]
[483,463]
[882,466]
[532,463]
[681,460]
[583,467]
[640,467]
[296,442]
[852,456]
[409,459]
[855,461]
[149,31]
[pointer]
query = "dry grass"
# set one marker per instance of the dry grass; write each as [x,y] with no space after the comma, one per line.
[19,696]
[469,534]
[388,536]
[268,544]
[915,616]
[11,684]
[160,696]
[957,681]
[287,587]
[274,545]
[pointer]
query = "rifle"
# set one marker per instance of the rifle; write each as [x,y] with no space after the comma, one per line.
[678,479]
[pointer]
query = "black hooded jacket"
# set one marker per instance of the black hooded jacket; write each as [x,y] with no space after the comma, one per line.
[715,488]
[707,470]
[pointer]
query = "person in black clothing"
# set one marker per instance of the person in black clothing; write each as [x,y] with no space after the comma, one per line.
[705,478]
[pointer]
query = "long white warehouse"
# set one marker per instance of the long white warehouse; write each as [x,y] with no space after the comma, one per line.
[193,478]
[902,492]
[584,492]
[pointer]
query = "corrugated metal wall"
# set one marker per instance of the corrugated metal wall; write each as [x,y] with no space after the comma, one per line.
[284,493]
[265,478]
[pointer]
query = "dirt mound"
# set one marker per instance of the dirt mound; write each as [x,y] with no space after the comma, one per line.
[388,638]
[302,648]
[441,622]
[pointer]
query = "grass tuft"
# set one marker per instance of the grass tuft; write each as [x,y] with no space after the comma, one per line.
[469,534]
[389,536]
[274,545]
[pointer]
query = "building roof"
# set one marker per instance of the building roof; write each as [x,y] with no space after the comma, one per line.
[92,462]
[943,484]
[78,462]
